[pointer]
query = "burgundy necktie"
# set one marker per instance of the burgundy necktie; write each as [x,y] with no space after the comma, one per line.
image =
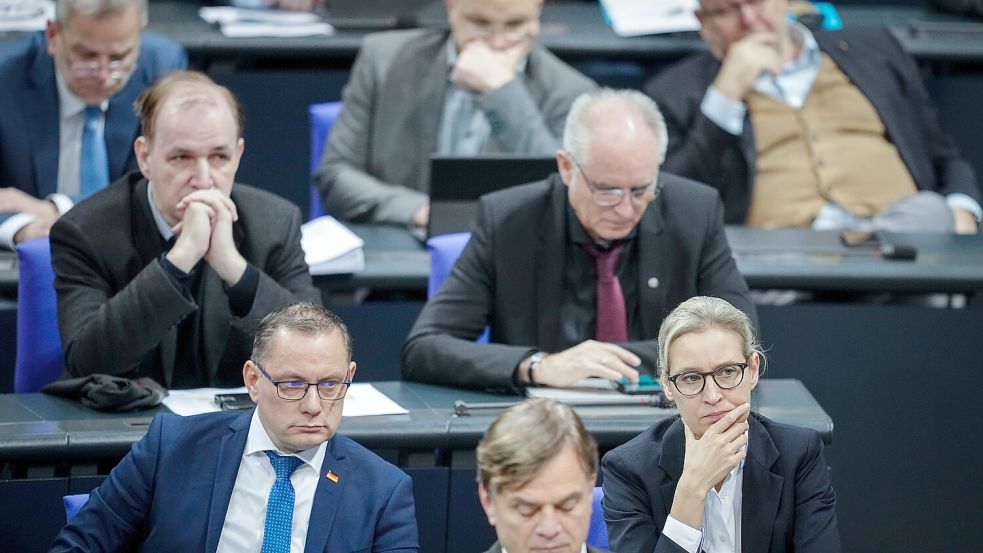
[611,322]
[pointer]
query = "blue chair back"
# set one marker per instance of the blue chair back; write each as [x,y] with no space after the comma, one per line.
[444,251]
[597,535]
[39,358]
[322,118]
[74,504]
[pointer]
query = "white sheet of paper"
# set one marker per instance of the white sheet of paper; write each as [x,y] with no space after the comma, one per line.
[25,15]
[250,30]
[649,17]
[330,247]
[362,399]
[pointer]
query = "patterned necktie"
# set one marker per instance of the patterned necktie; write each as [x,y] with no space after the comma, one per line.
[611,322]
[280,506]
[94,162]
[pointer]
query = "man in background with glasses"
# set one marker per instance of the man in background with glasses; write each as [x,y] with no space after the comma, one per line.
[574,274]
[812,129]
[66,118]
[486,86]
[277,478]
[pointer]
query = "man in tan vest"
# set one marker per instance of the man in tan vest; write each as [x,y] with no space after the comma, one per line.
[825,130]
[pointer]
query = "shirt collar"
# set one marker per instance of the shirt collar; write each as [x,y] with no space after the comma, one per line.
[69,103]
[162,227]
[258,441]
[809,53]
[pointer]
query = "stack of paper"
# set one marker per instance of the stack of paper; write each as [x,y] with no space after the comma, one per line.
[241,22]
[330,248]
[648,17]
[25,15]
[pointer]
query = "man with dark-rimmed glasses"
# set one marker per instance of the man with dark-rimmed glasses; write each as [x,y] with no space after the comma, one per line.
[66,108]
[574,274]
[277,478]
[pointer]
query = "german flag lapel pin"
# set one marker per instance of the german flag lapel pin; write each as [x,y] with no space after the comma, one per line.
[332,476]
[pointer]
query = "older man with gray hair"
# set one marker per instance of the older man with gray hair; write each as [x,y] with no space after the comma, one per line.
[574,274]
[537,466]
[66,118]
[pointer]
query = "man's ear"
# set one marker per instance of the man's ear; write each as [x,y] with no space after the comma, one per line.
[486,503]
[250,377]
[51,36]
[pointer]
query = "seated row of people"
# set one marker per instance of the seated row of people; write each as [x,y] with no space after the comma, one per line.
[708,479]
[793,127]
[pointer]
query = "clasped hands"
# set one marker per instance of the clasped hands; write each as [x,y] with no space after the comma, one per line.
[205,232]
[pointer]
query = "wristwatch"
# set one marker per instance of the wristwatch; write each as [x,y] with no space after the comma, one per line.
[534,361]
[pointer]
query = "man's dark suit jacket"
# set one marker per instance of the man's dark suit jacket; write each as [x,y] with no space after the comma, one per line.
[29,112]
[496,548]
[118,311]
[510,276]
[172,491]
[874,63]
[788,502]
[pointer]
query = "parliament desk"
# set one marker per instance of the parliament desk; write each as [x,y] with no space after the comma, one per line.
[785,258]
[51,446]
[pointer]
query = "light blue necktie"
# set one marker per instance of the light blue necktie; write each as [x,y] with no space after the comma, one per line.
[94,162]
[280,506]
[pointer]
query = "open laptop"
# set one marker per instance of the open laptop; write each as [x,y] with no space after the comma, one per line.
[384,14]
[456,183]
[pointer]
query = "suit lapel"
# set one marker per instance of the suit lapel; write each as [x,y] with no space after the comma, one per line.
[328,495]
[119,131]
[226,469]
[41,102]
[550,262]
[671,461]
[653,251]
[762,490]
[147,240]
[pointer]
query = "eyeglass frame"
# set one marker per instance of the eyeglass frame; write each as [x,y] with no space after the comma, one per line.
[276,384]
[711,374]
[648,192]
[484,31]
[90,69]
[732,9]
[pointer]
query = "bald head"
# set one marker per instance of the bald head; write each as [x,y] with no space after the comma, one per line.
[612,120]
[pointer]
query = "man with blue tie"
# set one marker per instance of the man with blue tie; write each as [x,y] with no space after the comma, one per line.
[276,479]
[66,116]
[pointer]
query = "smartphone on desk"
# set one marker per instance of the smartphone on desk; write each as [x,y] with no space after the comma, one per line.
[234,402]
[646,386]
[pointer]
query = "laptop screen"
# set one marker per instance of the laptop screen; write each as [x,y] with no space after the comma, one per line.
[456,183]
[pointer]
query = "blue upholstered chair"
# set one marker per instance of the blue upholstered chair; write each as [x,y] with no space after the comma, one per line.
[444,251]
[74,504]
[322,118]
[597,535]
[39,358]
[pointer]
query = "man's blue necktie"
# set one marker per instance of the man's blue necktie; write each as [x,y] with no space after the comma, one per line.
[280,506]
[94,162]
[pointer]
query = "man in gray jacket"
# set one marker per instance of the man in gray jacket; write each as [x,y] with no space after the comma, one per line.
[485,86]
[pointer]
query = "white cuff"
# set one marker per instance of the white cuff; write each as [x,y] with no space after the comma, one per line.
[962,201]
[12,226]
[682,534]
[62,202]
[726,113]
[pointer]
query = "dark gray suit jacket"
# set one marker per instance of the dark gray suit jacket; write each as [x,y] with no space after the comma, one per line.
[118,310]
[510,276]
[874,63]
[788,502]
[496,548]
[376,165]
